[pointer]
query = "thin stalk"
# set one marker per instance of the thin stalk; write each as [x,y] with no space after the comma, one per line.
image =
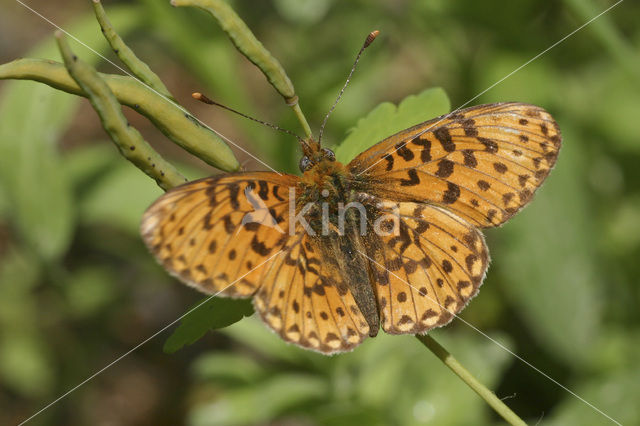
[455,366]
[302,120]
[247,44]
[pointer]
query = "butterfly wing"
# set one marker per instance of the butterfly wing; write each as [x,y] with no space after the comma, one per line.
[231,236]
[483,163]
[215,234]
[305,300]
[428,270]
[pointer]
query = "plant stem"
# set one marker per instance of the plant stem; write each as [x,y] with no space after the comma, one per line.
[302,120]
[490,397]
[247,44]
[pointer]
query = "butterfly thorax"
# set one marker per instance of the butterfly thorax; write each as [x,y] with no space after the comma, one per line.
[326,174]
[323,192]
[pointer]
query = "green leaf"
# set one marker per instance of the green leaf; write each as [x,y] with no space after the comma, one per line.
[32,119]
[387,119]
[212,314]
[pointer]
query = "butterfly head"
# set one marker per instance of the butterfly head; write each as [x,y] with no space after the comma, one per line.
[313,154]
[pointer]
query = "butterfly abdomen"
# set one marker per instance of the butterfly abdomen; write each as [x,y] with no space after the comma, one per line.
[345,254]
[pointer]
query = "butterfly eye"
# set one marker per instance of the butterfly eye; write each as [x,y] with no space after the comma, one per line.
[305,164]
[328,154]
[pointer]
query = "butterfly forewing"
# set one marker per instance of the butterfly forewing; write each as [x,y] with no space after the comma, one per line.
[483,163]
[215,234]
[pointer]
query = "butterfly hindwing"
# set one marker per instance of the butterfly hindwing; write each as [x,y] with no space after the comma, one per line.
[483,163]
[428,270]
[305,301]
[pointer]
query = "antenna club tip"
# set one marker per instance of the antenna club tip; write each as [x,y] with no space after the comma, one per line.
[372,36]
[202,98]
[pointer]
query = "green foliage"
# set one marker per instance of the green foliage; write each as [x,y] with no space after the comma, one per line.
[210,314]
[32,118]
[387,119]
[78,289]
[388,380]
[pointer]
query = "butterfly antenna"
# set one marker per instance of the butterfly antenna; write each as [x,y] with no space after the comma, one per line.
[202,98]
[372,36]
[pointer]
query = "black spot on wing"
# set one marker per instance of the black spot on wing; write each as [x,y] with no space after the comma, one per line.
[234,189]
[451,194]
[264,190]
[404,152]
[469,159]
[445,168]
[413,178]
[444,137]
[389,159]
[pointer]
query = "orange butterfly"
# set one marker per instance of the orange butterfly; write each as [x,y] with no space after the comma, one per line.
[390,239]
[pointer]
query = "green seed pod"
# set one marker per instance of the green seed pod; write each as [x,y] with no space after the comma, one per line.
[128,140]
[126,55]
[171,119]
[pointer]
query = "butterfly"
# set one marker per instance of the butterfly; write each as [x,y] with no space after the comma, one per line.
[391,239]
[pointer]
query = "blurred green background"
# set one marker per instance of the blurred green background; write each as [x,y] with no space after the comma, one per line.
[78,289]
